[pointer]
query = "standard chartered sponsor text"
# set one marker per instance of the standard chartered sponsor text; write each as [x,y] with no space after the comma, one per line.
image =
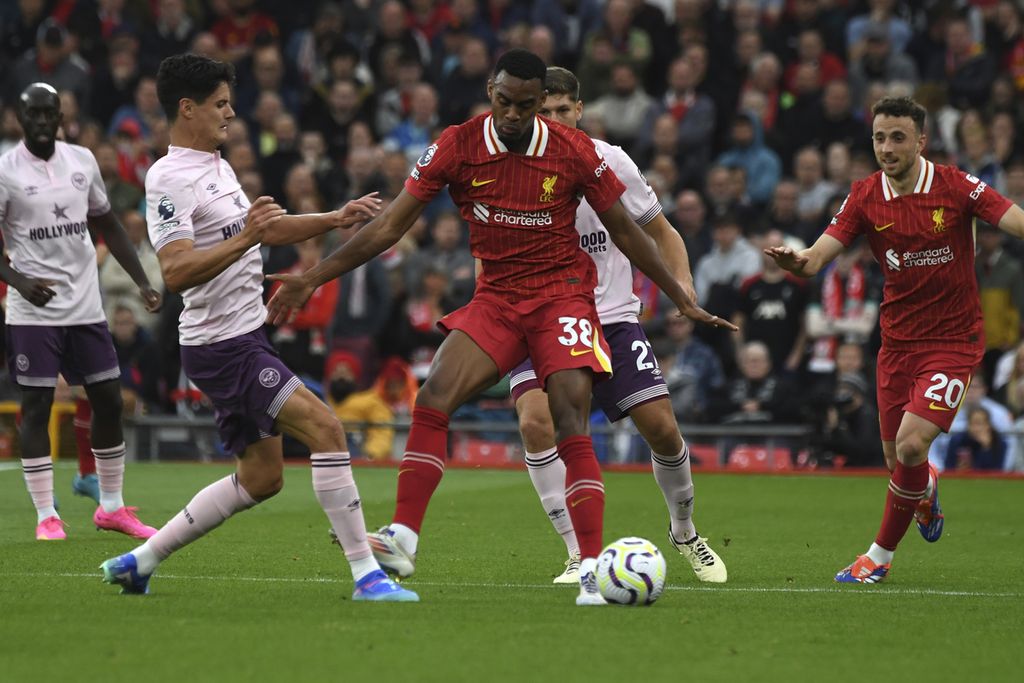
[928,257]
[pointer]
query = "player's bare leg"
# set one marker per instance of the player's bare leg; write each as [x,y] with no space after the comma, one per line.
[547,473]
[36,461]
[908,487]
[309,420]
[108,449]
[460,370]
[670,460]
[569,393]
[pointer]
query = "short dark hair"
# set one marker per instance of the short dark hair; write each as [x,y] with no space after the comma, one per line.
[521,64]
[899,107]
[559,81]
[191,76]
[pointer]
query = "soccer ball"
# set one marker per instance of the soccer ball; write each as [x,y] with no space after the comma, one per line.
[631,571]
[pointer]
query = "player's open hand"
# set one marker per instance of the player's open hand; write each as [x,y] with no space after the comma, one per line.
[788,258]
[151,298]
[263,213]
[691,310]
[36,292]
[358,210]
[289,299]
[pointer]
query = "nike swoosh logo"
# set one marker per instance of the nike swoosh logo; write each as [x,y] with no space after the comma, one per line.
[481,183]
[577,502]
[574,352]
[880,228]
[932,406]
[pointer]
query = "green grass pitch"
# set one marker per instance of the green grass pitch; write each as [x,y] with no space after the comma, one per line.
[267,598]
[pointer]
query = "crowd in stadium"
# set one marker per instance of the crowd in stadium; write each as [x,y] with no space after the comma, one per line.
[749,118]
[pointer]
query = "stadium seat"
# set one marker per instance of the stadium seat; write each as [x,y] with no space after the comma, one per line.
[758,458]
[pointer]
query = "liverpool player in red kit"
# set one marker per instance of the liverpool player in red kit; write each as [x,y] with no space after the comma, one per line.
[516,179]
[918,219]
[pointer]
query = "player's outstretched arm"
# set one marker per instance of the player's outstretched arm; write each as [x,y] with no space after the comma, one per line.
[184,267]
[641,250]
[807,262]
[36,292]
[673,251]
[1013,221]
[292,229]
[374,238]
[121,248]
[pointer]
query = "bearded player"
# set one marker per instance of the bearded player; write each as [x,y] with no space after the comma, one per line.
[516,180]
[918,219]
[637,387]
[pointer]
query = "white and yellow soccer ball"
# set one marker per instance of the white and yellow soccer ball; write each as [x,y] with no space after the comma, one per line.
[631,571]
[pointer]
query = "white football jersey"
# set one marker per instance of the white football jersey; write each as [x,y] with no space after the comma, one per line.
[193,195]
[44,210]
[616,302]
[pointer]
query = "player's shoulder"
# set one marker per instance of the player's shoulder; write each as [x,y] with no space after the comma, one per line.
[567,135]
[9,160]
[867,188]
[170,173]
[81,154]
[947,175]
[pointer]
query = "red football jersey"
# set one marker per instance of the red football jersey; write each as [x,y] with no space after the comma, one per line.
[521,208]
[925,244]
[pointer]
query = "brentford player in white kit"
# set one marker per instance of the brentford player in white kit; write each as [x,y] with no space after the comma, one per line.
[207,237]
[51,198]
[637,387]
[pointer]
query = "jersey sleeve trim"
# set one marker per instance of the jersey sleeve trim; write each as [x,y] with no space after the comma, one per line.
[651,214]
[173,237]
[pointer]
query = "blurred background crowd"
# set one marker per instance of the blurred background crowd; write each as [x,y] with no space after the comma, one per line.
[749,118]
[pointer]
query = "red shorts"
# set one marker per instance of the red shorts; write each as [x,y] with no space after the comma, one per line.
[929,384]
[556,334]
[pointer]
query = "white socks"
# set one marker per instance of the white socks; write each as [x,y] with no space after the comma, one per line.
[336,491]
[547,472]
[204,513]
[406,537]
[879,555]
[673,476]
[110,472]
[38,474]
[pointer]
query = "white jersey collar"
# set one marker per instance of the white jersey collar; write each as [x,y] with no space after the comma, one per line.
[538,142]
[924,181]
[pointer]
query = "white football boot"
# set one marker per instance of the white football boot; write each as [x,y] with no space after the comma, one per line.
[571,575]
[706,563]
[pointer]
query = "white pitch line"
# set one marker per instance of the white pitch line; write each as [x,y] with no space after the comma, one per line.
[440,584]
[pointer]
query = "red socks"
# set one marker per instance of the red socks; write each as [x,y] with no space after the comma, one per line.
[83,432]
[584,492]
[906,489]
[422,466]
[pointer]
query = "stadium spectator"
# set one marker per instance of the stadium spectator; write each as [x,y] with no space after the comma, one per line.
[170,33]
[849,430]
[136,357]
[143,112]
[981,447]
[748,151]
[625,108]
[334,116]
[119,289]
[770,309]
[1001,419]
[814,190]
[18,33]
[691,368]
[416,131]
[1001,289]
[615,41]
[964,67]
[690,218]
[757,395]
[765,77]
[811,50]
[879,63]
[693,114]
[843,307]
[391,397]
[242,28]
[268,73]
[570,22]
[446,254]
[123,195]
[882,13]
[462,87]
[52,61]
[274,166]
[392,32]
[302,342]
[731,260]
[412,331]
[429,17]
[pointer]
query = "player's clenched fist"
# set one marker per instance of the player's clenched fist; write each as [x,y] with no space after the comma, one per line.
[151,298]
[289,299]
[358,210]
[263,213]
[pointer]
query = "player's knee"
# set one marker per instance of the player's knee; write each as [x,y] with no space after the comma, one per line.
[263,482]
[35,408]
[328,436]
[108,406]
[664,438]
[431,396]
[537,430]
[911,448]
